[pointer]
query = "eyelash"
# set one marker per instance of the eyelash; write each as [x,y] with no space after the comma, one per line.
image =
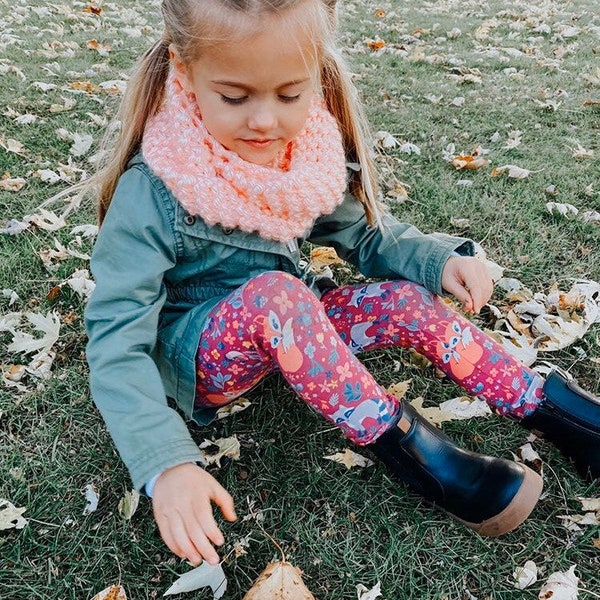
[237,101]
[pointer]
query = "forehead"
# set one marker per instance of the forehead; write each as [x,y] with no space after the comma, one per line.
[262,57]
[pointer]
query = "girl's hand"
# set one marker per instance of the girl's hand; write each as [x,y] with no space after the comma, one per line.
[468,279]
[183,511]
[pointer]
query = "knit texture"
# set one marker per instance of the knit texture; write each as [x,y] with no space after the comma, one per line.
[279,201]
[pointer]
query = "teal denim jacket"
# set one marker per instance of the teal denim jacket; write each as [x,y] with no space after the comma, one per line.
[158,273]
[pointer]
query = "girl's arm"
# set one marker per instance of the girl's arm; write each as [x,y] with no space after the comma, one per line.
[134,250]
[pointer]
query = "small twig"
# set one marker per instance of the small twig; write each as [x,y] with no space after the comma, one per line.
[268,535]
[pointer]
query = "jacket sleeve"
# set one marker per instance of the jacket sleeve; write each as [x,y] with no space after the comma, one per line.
[395,250]
[134,249]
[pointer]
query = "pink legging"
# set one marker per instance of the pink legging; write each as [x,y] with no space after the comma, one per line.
[275,321]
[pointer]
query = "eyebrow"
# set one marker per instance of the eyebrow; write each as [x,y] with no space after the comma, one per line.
[237,84]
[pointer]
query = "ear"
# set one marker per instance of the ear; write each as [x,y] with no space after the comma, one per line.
[181,69]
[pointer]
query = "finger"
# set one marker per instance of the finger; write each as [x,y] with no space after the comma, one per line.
[222,498]
[178,541]
[461,293]
[202,545]
[209,528]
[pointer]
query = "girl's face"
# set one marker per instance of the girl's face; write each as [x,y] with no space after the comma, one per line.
[254,96]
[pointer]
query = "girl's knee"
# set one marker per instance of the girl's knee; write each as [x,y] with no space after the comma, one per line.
[280,286]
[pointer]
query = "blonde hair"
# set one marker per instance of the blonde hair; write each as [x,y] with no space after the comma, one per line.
[190,26]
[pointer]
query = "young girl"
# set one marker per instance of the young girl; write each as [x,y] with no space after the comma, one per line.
[236,131]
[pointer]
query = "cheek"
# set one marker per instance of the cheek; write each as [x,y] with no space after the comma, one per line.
[298,121]
[217,120]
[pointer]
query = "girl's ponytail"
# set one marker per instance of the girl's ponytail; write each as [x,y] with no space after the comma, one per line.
[342,101]
[142,100]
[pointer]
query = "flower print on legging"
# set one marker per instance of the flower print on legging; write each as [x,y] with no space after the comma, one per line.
[275,322]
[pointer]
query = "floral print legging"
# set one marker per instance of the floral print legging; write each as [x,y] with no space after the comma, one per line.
[275,321]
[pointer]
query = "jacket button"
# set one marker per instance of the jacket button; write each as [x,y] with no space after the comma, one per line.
[189,220]
[227,230]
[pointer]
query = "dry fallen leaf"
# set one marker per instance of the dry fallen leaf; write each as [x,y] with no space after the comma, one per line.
[279,581]
[11,516]
[24,342]
[128,504]
[92,497]
[203,576]
[563,209]
[512,171]
[112,592]
[399,389]
[525,575]
[213,451]
[528,455]
[364,593]
[12,184]
[434,414]
[561,585]
[469,162]
[237,405]
[465,407]
[324,256]
[590,504]
[349,459]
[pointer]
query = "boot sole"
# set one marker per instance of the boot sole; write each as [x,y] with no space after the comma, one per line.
[516,512]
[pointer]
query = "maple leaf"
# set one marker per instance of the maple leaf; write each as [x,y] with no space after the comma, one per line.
[49,325]
[399,389]
[279,581]
[434,414]
[349,459]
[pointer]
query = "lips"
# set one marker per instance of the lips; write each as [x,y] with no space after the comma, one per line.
[259,143]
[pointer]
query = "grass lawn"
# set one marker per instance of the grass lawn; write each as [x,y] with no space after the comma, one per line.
[519,79]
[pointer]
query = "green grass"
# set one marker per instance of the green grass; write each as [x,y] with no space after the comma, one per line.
[340,527]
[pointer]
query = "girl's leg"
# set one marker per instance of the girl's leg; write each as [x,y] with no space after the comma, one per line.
[402,313]
[275,321]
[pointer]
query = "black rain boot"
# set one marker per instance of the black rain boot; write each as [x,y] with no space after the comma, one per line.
[569,417]
[491,495]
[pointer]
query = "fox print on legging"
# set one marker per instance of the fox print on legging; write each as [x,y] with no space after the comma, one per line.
[275,322]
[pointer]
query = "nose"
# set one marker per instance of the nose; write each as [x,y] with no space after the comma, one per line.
[263,117]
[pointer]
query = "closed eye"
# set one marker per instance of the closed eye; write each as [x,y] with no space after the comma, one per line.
[289,99]
[230,100]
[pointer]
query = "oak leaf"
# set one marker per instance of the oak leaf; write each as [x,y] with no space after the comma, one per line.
[279,581]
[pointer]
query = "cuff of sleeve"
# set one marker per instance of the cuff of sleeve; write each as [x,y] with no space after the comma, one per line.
[149,487]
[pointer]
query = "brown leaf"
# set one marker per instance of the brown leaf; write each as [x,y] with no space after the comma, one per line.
[113,592]
[279,581]
[469,162]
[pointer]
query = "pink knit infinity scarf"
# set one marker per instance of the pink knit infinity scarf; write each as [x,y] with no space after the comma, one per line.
[280,202]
